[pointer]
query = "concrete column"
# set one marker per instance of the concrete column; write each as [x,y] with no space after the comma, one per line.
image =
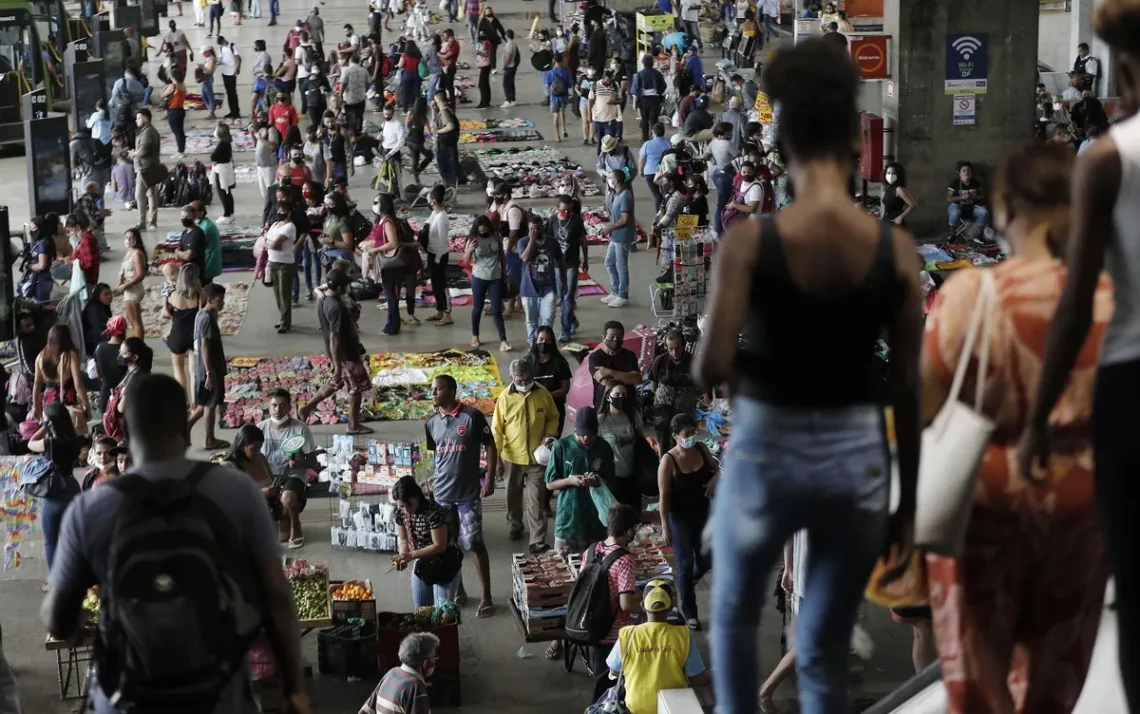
[1081,30]
[926,141]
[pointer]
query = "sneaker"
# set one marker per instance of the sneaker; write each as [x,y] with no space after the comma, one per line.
[506,105]
[618,302]
[608,299]
[224,220]
[537,548]
[563,339]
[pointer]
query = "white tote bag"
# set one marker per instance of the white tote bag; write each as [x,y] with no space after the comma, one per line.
[954,444]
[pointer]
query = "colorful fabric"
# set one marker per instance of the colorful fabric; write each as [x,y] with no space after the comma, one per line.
[1039,533]
[157,324]
[498,136]
[200,140]
[18,511]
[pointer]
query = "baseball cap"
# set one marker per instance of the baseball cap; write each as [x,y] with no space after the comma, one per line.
[586,422]
[657,598]
[116,326]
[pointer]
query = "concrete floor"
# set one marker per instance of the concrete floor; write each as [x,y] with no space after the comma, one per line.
[498,675]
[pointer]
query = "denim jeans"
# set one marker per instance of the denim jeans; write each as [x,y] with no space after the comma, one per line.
[569,301]
[957,212]
[723,182]
[393,279]
[453,10]
[274,9]
[692,562]
[409,89]
[603,129]
[509,83]
[208,92]
[770,24]
[51,515]
[480,289]
[255,8]
[692,29]
[617,265]
[424,595]
[177,119]
[539,311]
[433,85]
[312,264]
[447,158]
[824,470]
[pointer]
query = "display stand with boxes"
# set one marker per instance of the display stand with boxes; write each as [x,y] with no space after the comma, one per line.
[367,523]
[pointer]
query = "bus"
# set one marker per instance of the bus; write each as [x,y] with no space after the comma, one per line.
[57,27]
[23,66]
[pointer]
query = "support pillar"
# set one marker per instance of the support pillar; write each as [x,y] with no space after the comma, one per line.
[1081,30]
[926,140]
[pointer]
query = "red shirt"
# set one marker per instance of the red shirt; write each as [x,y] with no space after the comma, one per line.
[621,580]
[300,175]
[282,116]
[448,54]
[87,255]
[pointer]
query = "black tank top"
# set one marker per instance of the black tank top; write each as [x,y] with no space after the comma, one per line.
[892,204]
[807,351]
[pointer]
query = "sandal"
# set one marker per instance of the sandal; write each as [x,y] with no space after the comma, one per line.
[296,543]
[217,445]
[475,342]
[360,430]
[554,651]
[434,318]
[505,346]
[445,321]
[460,599]
[485,610]
[410,320]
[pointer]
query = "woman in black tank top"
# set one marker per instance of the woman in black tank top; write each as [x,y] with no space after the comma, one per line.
[897,201]
[812,289]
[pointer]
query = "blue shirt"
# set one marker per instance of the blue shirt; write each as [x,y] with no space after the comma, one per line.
[696,70]
[622,203]
[548,80]
[100,127]
[540,273]
[665,6]
[652,151]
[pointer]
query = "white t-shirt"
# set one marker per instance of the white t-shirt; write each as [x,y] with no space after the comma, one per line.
[393,134]
[301,56]
[284,252]
[753,193]
[227,59]
[437,233]
[690,10]
[772,8]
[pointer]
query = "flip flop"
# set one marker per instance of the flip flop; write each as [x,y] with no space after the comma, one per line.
[296,543]
[460,600]
[219,444]
[485,611]
[359,431]
[556,653]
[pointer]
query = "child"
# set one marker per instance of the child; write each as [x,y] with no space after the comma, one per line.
[123,180]
[209,366]
[123,460]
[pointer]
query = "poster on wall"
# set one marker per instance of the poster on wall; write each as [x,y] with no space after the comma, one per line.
[967,63]
[18,512]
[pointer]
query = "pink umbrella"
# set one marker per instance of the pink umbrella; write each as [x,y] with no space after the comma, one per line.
[640,340]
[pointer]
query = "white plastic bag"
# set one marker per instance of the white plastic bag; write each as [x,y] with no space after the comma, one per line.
[542,455]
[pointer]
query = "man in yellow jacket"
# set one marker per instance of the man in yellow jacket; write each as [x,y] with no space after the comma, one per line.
[525,419]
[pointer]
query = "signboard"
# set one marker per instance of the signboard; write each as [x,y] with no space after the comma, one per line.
[35,104]
[965,109]
[806,29]
[967,63]
[763,107]
[683,229]
[870,55]
[88,86]
[49,165]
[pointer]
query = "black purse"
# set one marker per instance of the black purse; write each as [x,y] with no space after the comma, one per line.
[439,569]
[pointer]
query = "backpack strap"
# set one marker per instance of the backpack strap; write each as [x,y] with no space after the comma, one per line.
[612,557]
[135,486]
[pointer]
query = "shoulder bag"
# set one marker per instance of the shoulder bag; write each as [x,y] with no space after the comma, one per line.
[439,569]
[955,442]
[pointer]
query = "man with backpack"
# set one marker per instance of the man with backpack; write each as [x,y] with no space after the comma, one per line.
[559,80]
[605,593]
[126,98]
[90,161]
[189,570]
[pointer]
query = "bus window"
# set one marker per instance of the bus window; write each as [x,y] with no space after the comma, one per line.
[20,51]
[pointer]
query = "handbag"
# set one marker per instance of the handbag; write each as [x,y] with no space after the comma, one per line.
[954,443]
[612,700]
[154,176]
[398,259]
[41,479]
[439,569]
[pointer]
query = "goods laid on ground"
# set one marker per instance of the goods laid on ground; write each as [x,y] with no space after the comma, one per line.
[200,140]
[156,323]
[540,589]
[459,292]
[237,249]
[939,260]
[309,584]
[538,172]
[498,136]
[595,218]
[251,378]
[356,466]
[481,124]
[402,381]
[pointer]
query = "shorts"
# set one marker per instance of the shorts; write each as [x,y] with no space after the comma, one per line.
[297,487]
[354,378]
[465,520]
[558,104]
[209,398]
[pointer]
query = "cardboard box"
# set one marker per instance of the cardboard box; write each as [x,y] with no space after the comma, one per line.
[342,610]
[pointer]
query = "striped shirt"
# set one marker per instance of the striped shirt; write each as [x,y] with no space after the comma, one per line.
[401,691]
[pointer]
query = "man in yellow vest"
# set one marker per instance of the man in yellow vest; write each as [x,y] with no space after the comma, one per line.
[655,655]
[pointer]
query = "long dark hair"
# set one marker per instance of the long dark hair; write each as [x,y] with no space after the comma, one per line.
[412,50]
[630,402]
[387,205]
[138,348]
[93,298]
[556,356]
[248,434]
[58,341]
[61,426]
[407,489]
[419,110]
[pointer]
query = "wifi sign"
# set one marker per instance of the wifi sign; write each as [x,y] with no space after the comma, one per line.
[967,63]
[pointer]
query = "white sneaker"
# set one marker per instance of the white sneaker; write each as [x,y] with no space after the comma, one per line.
[506,105]
[609,298]
[618,302]
[224,219]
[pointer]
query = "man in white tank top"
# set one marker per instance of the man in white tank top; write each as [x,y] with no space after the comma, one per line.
[1105,234]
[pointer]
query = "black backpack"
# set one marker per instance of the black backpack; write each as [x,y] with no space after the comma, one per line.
[180,609]
[589,615]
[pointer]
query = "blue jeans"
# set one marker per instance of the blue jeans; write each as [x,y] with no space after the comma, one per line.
[692,562]
[723,182]
[447,158]
[692,29]
[603,129]
[453,9]
[509,83]
[255,8]
[274,9]
[957,212]
[208,92]
[824,470]
[617,265]
[770,26]
[51,515]
[409,89]
[569,301]
[479,291]
[433,86]
[539,311]
[393,279]
[312,264]
[424,595]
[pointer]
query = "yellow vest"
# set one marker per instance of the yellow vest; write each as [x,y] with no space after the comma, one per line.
[653,657]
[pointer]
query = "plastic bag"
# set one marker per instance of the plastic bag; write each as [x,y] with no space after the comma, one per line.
[542,455]
[603,500]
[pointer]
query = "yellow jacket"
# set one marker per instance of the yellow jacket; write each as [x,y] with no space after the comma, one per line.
[522,422]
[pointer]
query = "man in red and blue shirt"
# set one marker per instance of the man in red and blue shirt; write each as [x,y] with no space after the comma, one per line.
[472,8]
[404,690]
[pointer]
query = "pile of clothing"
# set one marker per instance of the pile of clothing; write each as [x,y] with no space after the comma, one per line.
[540,172]
[499,136]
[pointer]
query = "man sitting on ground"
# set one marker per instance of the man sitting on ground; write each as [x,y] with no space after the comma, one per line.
[404,688]
[290,469]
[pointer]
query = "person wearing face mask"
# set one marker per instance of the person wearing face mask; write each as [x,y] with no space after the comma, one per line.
[897,201]
[222,171]
[282,242]
[543,270]
[437,253]
[585,85]
[686,480]
[404,688]
[85,252]
[134,358]
[525,418]
[649,88]
[107,368]
[612,361]
[621,231]
[393,137]
[57,441]
[337,239]
[605,105]
[671,381]
[103,464]
[551,370]
[569,229]
[290,469]
[746,200]
[620,426]
[295,171]
[484,253]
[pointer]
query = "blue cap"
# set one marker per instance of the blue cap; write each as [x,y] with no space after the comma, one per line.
[586,422]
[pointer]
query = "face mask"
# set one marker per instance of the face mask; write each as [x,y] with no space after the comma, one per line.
[298,159]
[187,222]
[1056,106]
[376,209]
[282,215]
[564,214]
[613,345]
[544,348]
[121,360]
[524,388]
[617,402]
[280,421]
[891,178]
[687,442]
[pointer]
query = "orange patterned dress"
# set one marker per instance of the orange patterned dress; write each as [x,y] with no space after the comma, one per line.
[1016,616]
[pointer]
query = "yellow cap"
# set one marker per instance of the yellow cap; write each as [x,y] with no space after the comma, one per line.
[657,599]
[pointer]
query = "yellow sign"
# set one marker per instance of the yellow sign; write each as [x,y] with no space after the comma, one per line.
[763,107]
[683,230]
[655,23]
